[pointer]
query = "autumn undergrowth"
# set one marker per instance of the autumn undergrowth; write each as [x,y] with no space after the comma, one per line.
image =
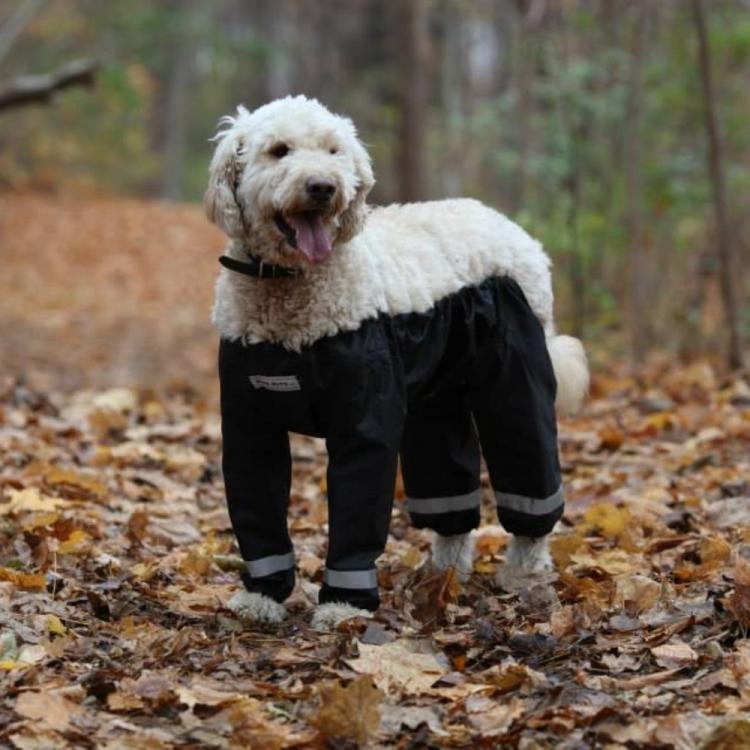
[117,561]
[117,558]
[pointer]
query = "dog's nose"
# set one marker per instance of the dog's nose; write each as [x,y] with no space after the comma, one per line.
[320,190]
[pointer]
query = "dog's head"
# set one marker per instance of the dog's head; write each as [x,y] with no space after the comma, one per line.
[290,179]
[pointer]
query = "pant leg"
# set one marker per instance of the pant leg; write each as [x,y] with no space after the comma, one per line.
[256,463]
[440,465]
[361,480]
[513,401]
[362,442]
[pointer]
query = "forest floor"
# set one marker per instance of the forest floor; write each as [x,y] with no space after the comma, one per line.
[117,559]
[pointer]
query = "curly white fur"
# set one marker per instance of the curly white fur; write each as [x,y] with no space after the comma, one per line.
[571,372]
[256,607]
[398,259]
[525,559]
[327,617]
[455,552]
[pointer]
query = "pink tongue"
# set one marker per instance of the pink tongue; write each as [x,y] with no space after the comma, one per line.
[312,237]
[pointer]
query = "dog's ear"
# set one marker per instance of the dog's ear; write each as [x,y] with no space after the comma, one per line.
[353,218]
[220,199]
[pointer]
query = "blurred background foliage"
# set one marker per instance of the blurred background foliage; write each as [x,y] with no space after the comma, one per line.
[581,119]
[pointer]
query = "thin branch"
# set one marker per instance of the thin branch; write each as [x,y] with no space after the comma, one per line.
[31,89]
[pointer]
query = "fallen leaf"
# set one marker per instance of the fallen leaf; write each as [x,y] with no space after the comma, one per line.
[32,499]
[55,711]
[606,519]
[613,562]
[636,593]
[41,519]
[491,718]
[23,580]
[611,438]
[77,543]
[75,486]
[714,553]
[116,399]
[431,593]
[562,622]
[647,680]
[395,666]
[200,693]
[396,717]
[563,546]
[740,601]
[674,655]
[124,701]
[490,540]
[351,711]
[734,734]
[55,626]
[510,675]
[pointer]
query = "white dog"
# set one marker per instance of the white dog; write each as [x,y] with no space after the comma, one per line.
[418,327]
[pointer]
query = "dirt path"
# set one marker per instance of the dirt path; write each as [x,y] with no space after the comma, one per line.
[106,291]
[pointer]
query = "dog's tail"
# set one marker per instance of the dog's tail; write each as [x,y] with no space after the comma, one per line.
[571,371]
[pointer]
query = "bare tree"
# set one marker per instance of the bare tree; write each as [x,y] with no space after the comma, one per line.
[15,25]
[576,132]
[718,181]
[37,89]
[638,320]
[176,100]
[282,72]
[412,18]
[531,14]
[452,94]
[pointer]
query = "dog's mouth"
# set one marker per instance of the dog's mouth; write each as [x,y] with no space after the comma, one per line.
[306,231]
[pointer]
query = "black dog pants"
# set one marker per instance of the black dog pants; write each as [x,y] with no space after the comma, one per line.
[473,371]
[505,403]
[342,388]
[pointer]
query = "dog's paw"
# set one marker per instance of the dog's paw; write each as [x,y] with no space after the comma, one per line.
[527,561]
[455,552]
[327,617]
[249,605]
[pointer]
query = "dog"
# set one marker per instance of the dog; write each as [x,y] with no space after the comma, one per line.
[422,329]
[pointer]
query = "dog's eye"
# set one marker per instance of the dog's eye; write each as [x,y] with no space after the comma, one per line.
[333,150]
[280,150]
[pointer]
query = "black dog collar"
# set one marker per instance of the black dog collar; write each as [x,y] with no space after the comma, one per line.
[256,267]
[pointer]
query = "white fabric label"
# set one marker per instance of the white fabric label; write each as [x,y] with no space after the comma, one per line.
[275,382]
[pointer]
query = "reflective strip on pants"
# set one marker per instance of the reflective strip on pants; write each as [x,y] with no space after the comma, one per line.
[450,504]
[531,506]
[272,564]
[351,579]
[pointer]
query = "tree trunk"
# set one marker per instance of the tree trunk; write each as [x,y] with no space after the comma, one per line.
[12,29]
[577,275]
[639,331]
[286,66]
[452,93]
[412,19]
[177,96]
[525,116]
[718,182]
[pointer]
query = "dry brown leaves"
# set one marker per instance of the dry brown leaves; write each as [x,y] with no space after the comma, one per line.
[116,559]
